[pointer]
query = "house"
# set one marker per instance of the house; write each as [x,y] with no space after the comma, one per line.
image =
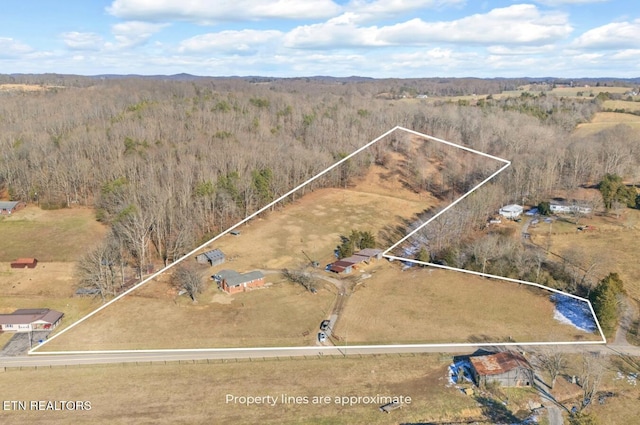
[214,257]
[564,208]
[369,254]
[507,368]
[341,266]
[27,320]
[233,282]
[511,211]
[23,263]
[9,207]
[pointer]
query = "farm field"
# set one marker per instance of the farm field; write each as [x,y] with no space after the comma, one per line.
[614,239]
[61,235]
[602,120]
[57,238]
[425,305]
[195,393]
[621,104]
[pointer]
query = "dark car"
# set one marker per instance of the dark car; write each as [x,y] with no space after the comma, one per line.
[324,325]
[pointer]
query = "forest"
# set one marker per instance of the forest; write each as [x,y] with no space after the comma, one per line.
[169,162]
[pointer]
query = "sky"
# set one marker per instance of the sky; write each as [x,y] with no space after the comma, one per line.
[294,38]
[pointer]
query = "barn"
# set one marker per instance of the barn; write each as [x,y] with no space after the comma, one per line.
[233,282]
[369,254]
[341,266]
[23,263]
[9,207]
[507,368]
[214,257]
[27,320]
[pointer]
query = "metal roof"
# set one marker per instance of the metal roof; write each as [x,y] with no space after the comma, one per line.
[369,252]
[27,316]
[8,205]
[496,364]
[214,255]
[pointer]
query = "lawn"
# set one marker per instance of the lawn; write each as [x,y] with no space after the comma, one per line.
[154,317]
[197,393]
[425,305]
[57,235]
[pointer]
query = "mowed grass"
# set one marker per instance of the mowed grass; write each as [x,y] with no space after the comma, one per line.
[57,235]
[621,104]
[281,314]
[196,393]
[424,305]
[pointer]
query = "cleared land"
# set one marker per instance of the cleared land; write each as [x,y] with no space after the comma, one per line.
[56,238]
[49,235]
[196,393]
[424,305]
[602,120]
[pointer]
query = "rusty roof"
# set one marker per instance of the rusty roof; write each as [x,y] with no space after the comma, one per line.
[495,364]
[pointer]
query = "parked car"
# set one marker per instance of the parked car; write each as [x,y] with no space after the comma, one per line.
[324,325]
[322,337]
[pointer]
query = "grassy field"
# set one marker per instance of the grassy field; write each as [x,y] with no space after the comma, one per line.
[282,314]
[422,305]
[56,235]
[196,393]
[56,238]
[621,104]
[603,120]
[614,241]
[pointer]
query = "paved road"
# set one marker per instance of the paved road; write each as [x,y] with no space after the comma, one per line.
[275,352]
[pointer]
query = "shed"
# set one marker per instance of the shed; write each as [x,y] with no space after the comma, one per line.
[233,282]
[354,259]
[511,211]
[26,320]
[23,263]
[341,267]
[507,368]
[214,257]
[370,254]
[9,207]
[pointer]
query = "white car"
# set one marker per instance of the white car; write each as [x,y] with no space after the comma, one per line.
[322,337]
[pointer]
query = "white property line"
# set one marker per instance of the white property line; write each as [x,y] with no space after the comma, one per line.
[164,269]
[508,279]
[179,260]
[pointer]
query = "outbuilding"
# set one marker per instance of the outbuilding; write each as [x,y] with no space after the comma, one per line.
[214,257]
[511,211]
[507,368]
[9,207]
[24,263]
[341,266]
[370,254]
[27,320]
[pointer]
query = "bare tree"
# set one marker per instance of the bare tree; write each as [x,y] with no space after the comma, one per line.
[553,362]
[188,279]
[590,378]
[100,269]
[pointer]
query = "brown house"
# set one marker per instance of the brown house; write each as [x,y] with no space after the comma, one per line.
[233,282]
[9,207]
[23,263]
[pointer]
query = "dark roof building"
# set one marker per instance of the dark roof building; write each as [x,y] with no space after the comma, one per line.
[370,253]
[232,282]
[341,266]
[26,320]
[507,368]
[214,257]
[8,207]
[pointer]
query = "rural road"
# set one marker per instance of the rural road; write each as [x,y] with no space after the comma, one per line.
[63,359]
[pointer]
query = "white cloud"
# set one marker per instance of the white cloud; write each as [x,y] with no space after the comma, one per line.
[134,33]
[611,36]
[83,40]
[517,24]
[563,2]
[10,47]
[205,11]
[365,10]
[232,42]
